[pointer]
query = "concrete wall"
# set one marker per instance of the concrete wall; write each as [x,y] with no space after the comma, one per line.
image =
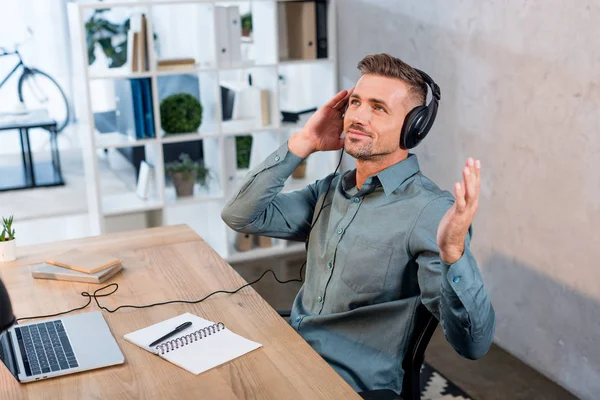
[520,91]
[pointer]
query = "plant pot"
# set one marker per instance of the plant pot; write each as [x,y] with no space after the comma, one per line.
[300,171]
[8,251]
[184,183]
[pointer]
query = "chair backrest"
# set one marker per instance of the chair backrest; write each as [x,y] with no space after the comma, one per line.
[425,325]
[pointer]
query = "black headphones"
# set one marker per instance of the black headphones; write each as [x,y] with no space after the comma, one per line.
[420,119]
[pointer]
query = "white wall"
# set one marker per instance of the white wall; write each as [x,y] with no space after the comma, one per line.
[520,90]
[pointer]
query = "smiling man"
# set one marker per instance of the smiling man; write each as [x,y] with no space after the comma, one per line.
[382,238]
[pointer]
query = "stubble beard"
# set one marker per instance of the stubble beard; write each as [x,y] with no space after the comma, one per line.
[358,150]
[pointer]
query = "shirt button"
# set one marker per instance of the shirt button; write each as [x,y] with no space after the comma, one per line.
[456,279]
[319,299]
[277,158]
[330,265]
[298,319]
[356,200]
[340,231]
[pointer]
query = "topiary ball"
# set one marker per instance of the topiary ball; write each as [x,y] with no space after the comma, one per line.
[180,113]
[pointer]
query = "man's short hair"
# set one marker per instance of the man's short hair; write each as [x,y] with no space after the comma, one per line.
[386,65]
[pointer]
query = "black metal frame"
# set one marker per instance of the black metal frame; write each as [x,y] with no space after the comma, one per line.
[19,64]
[27,158]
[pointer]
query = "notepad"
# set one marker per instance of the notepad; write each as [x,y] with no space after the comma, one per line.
[83,261]
[202,346]
[54,272]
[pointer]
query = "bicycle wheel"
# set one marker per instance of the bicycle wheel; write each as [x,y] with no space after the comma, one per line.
[37,90]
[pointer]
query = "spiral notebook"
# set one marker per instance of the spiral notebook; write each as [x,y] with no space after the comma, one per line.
[201,347]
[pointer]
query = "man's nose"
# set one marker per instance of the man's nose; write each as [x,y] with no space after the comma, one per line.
[359,115]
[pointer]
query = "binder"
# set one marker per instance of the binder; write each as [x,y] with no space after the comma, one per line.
[235,35]
[222,32]
[322,42]
[301,21]
[148,112]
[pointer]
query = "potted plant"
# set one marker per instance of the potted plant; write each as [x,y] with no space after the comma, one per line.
[185,173]
[247,24]
[180,113]
[8,246]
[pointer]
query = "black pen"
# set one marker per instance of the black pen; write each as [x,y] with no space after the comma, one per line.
[181,327]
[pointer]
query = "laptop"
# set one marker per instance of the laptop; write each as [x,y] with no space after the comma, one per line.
[61,346]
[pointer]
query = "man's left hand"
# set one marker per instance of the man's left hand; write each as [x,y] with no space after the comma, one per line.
[456,222]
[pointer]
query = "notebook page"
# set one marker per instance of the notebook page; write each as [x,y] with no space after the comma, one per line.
[144,337]
[211,351]
[201,355]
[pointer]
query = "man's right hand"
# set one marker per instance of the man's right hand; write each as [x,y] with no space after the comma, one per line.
[322,131]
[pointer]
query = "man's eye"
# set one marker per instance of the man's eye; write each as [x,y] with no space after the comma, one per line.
[379,108]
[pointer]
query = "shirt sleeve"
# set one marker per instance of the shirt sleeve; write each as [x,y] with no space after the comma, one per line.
[260,207]
[454,293]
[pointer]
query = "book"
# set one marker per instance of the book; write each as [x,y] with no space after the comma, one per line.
[145,177]
[54,272]
[83,261]
[199,348]
[187,62]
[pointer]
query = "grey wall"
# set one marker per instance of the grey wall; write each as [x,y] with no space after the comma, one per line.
[520,91]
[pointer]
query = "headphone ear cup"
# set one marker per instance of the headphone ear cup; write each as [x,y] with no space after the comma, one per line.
[413,125]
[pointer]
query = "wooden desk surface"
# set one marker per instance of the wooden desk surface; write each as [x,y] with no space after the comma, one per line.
[163,264]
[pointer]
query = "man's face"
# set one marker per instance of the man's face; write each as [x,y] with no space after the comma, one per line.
[374,118]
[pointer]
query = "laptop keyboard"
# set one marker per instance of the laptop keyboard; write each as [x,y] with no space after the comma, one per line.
[45,348]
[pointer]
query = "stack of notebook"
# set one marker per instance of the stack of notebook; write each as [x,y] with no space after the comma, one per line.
[78,266]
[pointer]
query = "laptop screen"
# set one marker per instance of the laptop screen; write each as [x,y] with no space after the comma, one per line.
[7,354]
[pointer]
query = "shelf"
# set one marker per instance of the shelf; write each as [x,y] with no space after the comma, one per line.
[120,73]
[260,253]
[187,137]
[129,3]
[181,71]
[127,203]
[200,195]
[198,30]
[303,62]
[116,140]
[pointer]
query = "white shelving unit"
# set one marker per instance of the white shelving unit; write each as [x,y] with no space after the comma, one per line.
[291,84]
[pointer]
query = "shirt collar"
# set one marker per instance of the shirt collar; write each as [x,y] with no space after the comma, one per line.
[390,178]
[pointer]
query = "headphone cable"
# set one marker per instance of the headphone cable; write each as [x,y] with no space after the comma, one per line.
[98,292]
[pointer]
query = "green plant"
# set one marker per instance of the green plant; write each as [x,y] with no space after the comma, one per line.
[111,36]
[7,229]
[246,24]
[189,168]
[180,113]
[243,147]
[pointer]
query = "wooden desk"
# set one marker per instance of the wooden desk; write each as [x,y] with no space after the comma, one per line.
[165,264]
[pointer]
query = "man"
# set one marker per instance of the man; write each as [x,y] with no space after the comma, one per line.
[386,238]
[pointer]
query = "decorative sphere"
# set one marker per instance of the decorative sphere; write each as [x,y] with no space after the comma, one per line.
[180,113]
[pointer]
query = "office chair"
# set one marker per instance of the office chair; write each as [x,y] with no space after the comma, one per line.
[425,326]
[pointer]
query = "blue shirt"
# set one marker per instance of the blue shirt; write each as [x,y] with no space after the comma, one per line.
[372,258]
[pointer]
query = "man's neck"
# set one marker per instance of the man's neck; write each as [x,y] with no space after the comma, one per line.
[370,167]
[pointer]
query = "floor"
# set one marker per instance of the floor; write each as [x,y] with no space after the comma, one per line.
[497,376]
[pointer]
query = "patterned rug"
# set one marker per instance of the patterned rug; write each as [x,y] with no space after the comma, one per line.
[434,386]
